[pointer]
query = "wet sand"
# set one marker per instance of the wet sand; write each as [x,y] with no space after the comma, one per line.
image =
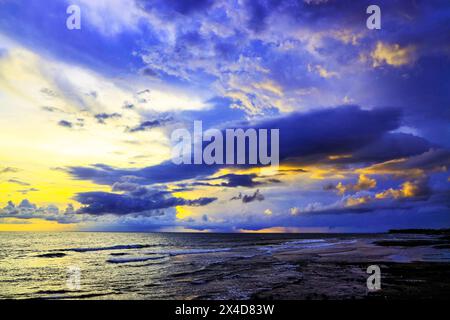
[419,272]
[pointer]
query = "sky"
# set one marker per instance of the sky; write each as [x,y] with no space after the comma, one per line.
[86,115]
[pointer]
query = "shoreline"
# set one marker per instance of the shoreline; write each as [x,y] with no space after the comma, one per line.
[418,272]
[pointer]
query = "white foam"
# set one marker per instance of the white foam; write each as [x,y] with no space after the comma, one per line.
[188,251]
[134,259]
[118,247]
[303,241]
[304,244]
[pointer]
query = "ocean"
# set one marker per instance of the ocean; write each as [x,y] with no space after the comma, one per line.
[95,265]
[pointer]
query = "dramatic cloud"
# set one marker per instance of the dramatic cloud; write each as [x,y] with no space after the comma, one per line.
[28,210]
[433,160]
[237,180]
[102,117]
[392,55]
[364,183]
[363,114]
[150,124]
[162,173]
[257,196]
[338,130]
[65,124]
[98,203]
[409,189]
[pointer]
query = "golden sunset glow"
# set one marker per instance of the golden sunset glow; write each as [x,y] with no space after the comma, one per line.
[18,225]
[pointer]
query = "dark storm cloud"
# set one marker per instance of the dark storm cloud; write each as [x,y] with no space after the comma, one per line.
[392,146]
[308,136]
[423,95]
[65,124]
[257,196]
[98,203]
[331,131]
[425,199]
[162,173]
[102,117]
[179,6]
[79,123]
[28,210]
[237,180]
[233,181]
[432,160]
[150,124]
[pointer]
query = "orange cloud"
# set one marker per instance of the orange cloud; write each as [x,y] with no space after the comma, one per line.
[33,225]
[393,55]
[357,201]
[408,190]
[364,183]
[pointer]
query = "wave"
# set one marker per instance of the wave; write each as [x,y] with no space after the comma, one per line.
[305,241]
[304,244]
[176,252]
[51,255]
[118,247]
[135,259]
[66,294]
[57,291]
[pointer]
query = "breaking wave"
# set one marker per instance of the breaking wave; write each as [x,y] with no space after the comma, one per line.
[135,259]
[188,251]
[118,247]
